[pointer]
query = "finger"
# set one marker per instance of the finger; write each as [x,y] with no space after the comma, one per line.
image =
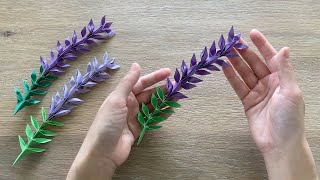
[264,47]
[237,84]
[126,84]
[287,76]
[151,79]
[244,71]
[259,68]
[133,108]
[145,96]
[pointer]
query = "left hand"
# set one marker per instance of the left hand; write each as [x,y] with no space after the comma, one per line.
[115,128]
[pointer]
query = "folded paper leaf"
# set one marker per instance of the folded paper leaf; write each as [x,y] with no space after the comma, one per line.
[185,79]
[62,105]
[49,71]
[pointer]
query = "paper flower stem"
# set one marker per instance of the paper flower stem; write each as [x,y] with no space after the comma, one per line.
[49,72]
[186,79]
[62,106]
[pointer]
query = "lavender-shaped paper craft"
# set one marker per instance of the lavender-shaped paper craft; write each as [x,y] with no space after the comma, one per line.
[185,79]
[62,105]
[49,71]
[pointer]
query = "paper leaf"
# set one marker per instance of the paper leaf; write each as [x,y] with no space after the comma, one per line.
[51,77]
[44,114]
[57,98]
[62,113]
[34,123]
[47,133]
[29,132]
[153,127]
[91,26]
[74,37]
[188,86]
[32,102]
[75,101]
[55,123]
[45,84]
[204,54]
[36,150]
[173,104]
[37,92]
[103,21]
[193,60]
[158,118]
[221,42]
[33,77]
[154,101]
[18,94]
[160,93]
[67,41]
[41,70]
[194,80]
[231,33]
[177,75]
[166,111]
[202,72]
[22,143]
[179,95]
[213,68]
[41,140]
[26,87]
[145,110]
[169,85]
[141,119]
[83,31]
[213,49]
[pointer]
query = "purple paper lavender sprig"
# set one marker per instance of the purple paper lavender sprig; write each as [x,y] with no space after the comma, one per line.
[185,79]
[49,71]
[62,105]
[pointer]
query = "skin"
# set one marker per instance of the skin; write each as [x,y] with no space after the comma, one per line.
[269,92]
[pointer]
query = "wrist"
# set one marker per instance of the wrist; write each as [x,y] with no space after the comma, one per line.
[89,164]
[293,161]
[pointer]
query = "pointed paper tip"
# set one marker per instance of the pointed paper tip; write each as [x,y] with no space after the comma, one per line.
[15,112]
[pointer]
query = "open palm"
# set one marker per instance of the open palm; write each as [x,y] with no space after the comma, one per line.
[269,92]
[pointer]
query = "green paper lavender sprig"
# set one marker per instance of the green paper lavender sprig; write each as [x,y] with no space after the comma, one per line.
[49,71]
[185,79]
[62,105]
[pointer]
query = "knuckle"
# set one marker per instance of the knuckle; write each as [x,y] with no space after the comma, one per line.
[297,94]
[117,101]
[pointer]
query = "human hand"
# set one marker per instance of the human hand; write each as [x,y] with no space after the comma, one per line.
[115,128]
[272,101]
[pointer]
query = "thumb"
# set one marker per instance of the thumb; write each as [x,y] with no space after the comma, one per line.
[286,74]
[126,84]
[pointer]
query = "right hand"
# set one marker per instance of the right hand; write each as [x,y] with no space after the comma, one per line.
[272,100]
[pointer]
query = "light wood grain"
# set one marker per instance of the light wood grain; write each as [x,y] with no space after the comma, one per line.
[206,139]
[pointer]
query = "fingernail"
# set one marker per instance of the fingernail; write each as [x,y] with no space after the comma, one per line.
[134,66]
[286,52]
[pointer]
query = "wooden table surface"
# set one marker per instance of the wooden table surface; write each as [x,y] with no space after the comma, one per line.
[208,137]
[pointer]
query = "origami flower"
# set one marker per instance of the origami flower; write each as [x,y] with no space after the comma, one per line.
[50,71]
[186,79]
[62,105]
